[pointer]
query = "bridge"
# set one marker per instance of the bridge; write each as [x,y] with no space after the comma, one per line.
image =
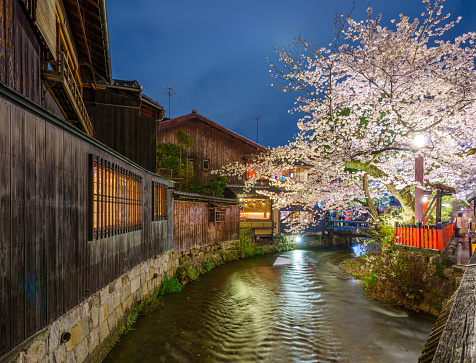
[354,228]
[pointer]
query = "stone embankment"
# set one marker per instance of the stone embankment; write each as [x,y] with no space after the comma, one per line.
[85,333]
[440,284]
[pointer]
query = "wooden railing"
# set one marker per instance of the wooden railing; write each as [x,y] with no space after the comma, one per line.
[433,237]
[60,71]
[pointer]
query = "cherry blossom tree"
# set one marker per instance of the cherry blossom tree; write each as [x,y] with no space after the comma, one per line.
[364,99]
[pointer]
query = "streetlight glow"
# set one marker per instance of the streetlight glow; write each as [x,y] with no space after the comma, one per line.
[298,239]
[419,141]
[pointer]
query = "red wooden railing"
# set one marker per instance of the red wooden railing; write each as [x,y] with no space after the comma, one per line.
[433,237]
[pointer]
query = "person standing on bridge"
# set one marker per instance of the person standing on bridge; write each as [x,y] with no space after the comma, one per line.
[460,227]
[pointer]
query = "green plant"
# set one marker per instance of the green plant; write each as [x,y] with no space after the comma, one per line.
[440,271]
[170,286]
[145,307]
[393,276]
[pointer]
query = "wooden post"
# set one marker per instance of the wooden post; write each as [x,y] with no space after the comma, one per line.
[419,191]
[440,236]
[439,196]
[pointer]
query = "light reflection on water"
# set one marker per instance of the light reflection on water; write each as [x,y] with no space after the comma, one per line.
[249,310]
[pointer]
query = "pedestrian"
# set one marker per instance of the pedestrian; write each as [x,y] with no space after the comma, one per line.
[459,225]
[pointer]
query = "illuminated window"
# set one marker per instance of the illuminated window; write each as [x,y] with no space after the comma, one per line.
[160,201]
[116,200]
[254,208]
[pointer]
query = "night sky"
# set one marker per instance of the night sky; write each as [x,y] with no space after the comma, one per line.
[213,52]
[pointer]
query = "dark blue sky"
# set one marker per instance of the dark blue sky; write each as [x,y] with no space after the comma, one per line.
[213,52]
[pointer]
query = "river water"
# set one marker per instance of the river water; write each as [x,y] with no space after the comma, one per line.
[303,309]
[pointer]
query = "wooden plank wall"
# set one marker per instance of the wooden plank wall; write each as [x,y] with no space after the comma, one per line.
[192,229]
[209,143]
[48,266]
[115,115]
[20,56]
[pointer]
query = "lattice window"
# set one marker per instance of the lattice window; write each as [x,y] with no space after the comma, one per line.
[159,201]
[220,215]
[116,199]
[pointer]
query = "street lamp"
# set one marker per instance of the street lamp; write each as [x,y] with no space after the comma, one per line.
[419,141]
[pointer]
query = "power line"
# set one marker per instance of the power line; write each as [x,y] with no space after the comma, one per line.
[170,92]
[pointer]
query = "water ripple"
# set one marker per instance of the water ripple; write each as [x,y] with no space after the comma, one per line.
[252,311]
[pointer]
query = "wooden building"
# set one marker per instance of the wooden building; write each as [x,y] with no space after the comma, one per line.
[215,146]
[74,213]
[201,220]
[125,119]
[257,212]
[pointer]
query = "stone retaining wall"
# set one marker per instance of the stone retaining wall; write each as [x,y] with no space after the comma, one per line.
[441,282]
[86,332]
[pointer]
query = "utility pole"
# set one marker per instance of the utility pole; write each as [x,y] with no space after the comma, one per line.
[170,92]
[258,117]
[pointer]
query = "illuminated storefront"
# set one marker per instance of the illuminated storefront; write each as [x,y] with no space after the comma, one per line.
[256,208]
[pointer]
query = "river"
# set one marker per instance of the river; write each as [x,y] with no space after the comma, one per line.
[303,309]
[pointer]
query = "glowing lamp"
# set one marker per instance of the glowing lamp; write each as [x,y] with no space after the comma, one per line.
[419,141]
[298,239]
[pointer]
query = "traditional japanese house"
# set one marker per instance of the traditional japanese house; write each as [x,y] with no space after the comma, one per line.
[214,146]
[258,216]
[124,119]
[74,214]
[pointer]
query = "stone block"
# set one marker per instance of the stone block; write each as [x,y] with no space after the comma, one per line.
[424,307]
[81,351]
[93,340]
[103,331]
[36,351]
[104,314]
[94,316]
[93,301]
[125,279]
[125,291]
[111,320]
[60,353]
[104,295]
[85,326]
[145,290]
[111,288]
[433,312]
[116,299]
[84,309]
[448,272]
[127,304]
[54,336]
[117,284]
[70,357]
[119,313]
[459,269]
[76,336]
[135,284]
[47,359]
[434,259]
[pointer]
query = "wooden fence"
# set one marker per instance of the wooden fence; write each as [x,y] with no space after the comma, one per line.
[433,237]
[193,228]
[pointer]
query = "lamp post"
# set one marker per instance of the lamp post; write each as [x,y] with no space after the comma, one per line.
[419,141]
